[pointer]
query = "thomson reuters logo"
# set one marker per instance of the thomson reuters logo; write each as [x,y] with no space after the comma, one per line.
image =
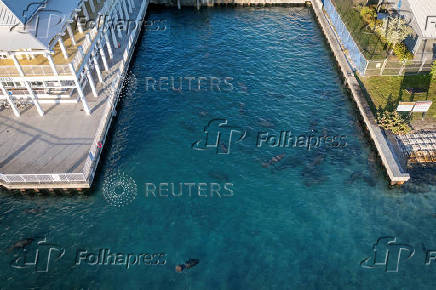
[119,189]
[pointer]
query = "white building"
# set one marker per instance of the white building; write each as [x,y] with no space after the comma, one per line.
[50,50]
[423,42]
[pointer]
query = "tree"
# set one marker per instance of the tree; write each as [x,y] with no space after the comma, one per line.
[394,30]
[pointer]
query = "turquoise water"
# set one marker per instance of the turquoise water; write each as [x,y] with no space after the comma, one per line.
[306,221]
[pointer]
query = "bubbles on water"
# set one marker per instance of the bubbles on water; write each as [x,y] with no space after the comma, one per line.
[130,85]
[119,189]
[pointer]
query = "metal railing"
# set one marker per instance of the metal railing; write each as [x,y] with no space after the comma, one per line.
[33,70]
[116,87]
[43,178]
[359,61]
[397,68]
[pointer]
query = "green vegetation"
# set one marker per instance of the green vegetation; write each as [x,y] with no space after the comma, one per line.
[403,53]
[433,70]
[370,44]
[393,121]
[369,15]
[394,30]
[374,37]
[386,92]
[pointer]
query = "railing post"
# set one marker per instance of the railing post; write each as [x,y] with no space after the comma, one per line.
[383,66]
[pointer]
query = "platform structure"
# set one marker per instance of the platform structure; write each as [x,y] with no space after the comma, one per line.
[52,136]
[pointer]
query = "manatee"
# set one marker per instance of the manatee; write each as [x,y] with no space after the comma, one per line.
[265,123]
[21,244]
[218,175]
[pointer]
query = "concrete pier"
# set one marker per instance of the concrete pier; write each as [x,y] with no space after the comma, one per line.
[61,149]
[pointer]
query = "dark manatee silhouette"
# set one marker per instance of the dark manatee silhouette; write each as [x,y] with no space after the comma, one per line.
[21,244]
[217,175]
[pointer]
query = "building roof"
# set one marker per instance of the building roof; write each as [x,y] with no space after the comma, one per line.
[19,10]
[425,15]
[41,24]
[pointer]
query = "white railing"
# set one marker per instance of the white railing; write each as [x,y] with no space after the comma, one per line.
[116,87]
[397,68]
[43,178]
[33,70]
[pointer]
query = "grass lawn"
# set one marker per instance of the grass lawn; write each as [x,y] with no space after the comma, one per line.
[369,42]
[386,92]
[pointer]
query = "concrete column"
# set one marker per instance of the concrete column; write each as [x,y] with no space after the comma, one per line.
[71,34]
[97,67]
[118,27]
[178,5]
[34,99]
[63,49]
[422,64]
[91,81]
[91,3]
[129,6]
[103,57]
[114,38]
[52,65]
[88,38]
[85,10]
[132,3]
[126,12]
[80,91]
[198,4]
[79,24]
[108,45]
[11,103]
[120,10]
[17,65]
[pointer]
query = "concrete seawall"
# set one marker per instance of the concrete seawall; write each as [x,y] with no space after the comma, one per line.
[395,172]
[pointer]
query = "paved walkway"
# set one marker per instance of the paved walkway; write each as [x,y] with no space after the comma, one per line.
[60,141]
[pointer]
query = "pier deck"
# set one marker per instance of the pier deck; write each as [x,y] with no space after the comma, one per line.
[57,147]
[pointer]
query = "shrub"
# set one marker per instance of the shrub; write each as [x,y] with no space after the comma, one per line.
[433,70]
[403,53]
[394,30]
[394,122]
[369,14]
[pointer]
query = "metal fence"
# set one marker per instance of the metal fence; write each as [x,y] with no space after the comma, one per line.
[358,60]
[397,68]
